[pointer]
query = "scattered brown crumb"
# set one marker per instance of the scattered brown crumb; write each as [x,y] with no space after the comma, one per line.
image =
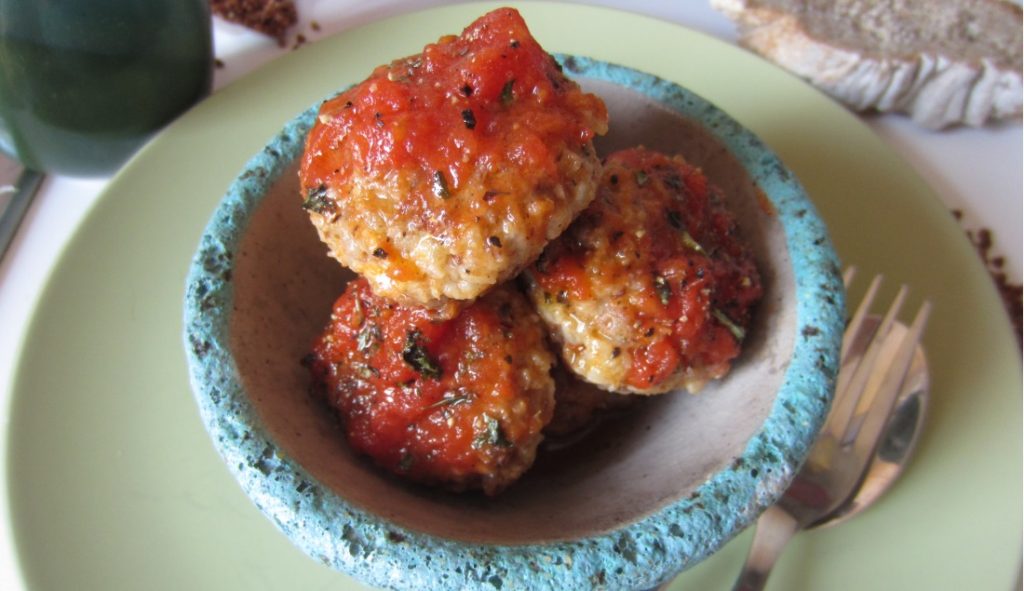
[300,40]
[218,63]
[1011,293]
[315,25]
[270,17]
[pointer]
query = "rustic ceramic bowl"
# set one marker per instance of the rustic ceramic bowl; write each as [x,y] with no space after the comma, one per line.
[632,503]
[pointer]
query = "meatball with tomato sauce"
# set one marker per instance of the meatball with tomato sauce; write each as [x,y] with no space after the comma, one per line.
[458,403]
[650,289]
[447,172]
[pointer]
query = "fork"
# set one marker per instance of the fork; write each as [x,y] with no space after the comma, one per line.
[866,392]
[22,191]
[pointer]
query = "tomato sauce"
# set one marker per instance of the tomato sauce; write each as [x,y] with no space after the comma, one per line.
[491,98]
[437,401]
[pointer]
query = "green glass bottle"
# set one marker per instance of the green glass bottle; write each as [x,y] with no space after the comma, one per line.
[83,83]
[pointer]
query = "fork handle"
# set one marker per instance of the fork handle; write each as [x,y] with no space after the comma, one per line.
[24,190]
[771,533]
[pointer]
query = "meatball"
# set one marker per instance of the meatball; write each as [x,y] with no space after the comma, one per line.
[446,173]
[579,406]
[458,403]
[650,289]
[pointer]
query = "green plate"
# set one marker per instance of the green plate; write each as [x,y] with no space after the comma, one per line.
[113,484]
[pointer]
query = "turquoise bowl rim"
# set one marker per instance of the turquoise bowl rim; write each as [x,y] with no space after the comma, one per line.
[638,555]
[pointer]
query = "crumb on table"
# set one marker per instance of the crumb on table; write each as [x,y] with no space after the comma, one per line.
[270,17]
[1011,293]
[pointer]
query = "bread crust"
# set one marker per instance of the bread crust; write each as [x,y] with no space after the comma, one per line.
[943,63]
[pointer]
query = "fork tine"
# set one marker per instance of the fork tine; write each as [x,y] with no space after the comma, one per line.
[868,435]
[854,329]
[859,380]
[858,316]
[848,276]
[856,377]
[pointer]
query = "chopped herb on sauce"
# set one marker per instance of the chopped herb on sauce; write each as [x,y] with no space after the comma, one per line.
[492,435]
[449,401]
[692,244]
[368,338]
[417,357]
[440,185]
[318,201]
[365,370]
[507,96]
[641,178]
[736,330]
[474,355]
[494,241]
[469,118]
[674,219]
[663,290]
[358,314]
[380,253]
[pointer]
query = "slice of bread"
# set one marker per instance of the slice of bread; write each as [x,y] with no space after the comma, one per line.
[944,63]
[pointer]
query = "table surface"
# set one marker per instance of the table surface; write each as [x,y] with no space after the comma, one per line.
[976,172]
